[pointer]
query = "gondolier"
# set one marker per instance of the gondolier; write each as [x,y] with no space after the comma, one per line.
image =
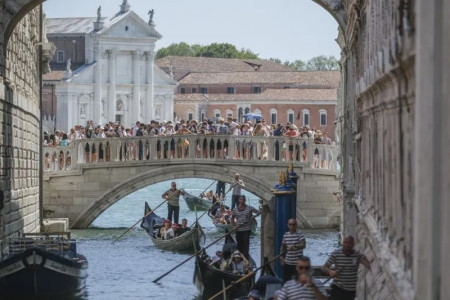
[237,186]
[345,273]
[241,220]
[173,202]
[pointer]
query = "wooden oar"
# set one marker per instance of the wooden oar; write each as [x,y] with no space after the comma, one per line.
[204,248]
[246,276]
[149,213]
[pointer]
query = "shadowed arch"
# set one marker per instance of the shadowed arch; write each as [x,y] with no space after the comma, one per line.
[126,187]
[336,9]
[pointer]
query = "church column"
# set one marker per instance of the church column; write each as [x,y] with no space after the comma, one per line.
[110,116]
[97,107]
[149,95]
[136,105]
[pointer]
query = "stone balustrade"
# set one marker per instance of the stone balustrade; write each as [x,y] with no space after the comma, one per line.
[85,152]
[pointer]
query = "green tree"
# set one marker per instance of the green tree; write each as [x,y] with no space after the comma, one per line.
[176,49]
[247,54]
[298,65]
[277,60]
[322,62]
[223,50]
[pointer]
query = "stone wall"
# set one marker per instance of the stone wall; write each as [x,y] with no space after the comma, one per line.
[19,129]
[378,157]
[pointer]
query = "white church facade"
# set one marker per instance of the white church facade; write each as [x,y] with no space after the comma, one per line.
[103,70]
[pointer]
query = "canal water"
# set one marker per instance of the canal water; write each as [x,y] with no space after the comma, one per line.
[125,269]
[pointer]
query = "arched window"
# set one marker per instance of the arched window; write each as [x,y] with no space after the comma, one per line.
[273,116]
[240,114]
[247,110]
[290,116]
[305,113]
[229,113]
[323,117]
[217,113]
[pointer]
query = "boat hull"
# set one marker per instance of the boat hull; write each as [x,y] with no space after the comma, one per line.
[196,203]
[37,272]
[188,241]
[210,280]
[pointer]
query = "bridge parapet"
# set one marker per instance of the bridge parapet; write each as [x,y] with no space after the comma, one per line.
[97,151]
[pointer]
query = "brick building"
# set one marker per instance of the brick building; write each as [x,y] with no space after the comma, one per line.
[216,87]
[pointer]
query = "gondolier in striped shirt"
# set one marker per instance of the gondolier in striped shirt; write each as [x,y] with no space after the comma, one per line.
[292,245]
[345,273]
[303,286]
[241,220]
[237,186]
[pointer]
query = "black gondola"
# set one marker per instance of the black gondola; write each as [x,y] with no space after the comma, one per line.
[42,266]
[189,240]
[211,280]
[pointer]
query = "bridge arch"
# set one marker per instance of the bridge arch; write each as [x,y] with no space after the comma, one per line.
[253,184]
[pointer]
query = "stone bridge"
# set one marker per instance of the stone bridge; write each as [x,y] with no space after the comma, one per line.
[85,178]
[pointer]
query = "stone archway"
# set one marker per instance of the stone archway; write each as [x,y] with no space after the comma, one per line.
[126,187]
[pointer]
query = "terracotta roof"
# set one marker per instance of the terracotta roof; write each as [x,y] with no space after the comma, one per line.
[307,78]
[53,75]
[269,94]
[181,65]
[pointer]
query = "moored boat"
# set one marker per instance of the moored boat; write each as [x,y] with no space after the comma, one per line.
[224,226]
[210,280]
[43,266]
[197,203]
[189,240]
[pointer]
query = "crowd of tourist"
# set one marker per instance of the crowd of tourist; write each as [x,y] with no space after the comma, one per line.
[169,128]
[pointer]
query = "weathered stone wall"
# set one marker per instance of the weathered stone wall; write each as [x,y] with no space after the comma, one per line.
[19,129]
[378,171]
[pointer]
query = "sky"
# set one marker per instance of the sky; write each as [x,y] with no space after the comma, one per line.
[283,29]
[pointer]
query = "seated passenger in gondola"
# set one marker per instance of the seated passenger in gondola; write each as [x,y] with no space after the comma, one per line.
[217,261]
[170,233]
[163,232]
[238,264]
[183,228]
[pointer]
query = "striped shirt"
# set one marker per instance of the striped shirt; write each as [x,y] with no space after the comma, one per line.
[293,290]
[347,267]
[289,240]
[243,217]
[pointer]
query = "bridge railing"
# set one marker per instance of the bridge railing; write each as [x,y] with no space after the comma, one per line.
[84,152]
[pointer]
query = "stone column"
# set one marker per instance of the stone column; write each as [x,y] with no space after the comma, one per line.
[431,144]
[97,107]
[111,102]
[136,105]
[150,94]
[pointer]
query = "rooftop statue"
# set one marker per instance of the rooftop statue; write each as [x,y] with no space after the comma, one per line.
[150,13]
[99,14]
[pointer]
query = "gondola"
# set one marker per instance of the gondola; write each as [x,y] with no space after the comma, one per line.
[223,227]
[196,203]
[44,266]
[210,280]
[189,240]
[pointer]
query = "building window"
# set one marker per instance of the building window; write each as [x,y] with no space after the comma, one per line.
[217,113]
[273,116]
[229,113]
[60,56]
[204,90]
[256,89]
[290,116]
[194,90]
[190,116]
[182,90]
[323,117]
[305,117]
[202,114]
[286,87]
[230,90]
[247,110]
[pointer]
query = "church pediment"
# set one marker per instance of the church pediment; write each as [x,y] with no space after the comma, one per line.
[128,25]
